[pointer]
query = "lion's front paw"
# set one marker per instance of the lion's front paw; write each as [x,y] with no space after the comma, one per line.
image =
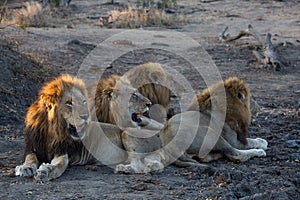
[128,169]
[154,166]
[261,143]
[42,174]
[25,171]
[261,153]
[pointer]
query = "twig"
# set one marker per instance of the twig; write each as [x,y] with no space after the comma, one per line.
[3,11]
[268,55]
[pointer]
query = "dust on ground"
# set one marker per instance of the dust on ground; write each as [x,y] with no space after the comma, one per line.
[32,56]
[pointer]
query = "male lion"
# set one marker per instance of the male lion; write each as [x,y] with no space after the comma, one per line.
[117,102]
[233,141]
[53,128]
[148,79]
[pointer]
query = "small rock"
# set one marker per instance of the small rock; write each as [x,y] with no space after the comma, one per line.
[139,187]
[293,143]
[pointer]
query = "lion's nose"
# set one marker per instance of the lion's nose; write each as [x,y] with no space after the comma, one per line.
[85,116]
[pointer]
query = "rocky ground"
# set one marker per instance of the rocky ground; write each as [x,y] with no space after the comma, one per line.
[31,56]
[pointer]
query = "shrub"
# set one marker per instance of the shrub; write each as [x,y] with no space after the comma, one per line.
[134,17]
[30,15]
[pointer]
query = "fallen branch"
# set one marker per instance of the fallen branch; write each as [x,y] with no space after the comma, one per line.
[267,57]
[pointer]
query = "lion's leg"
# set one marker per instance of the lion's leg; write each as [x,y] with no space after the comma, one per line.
[257,143]
[185,161]
[28,169]
[53,170]
[150,124]
[236,154]
[153,162]
[211,157]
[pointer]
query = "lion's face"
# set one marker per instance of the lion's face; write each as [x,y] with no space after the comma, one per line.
[138,105]
[127,104]
[74,109]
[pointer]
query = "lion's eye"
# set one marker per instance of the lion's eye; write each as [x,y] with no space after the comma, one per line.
[69,103]
[241,96]
[135,95]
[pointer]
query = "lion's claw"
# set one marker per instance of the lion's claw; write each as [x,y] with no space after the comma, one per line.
[25,171]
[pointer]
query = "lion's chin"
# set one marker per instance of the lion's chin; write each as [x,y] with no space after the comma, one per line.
[77,131]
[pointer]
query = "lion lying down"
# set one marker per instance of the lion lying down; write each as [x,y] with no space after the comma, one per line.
[197,133]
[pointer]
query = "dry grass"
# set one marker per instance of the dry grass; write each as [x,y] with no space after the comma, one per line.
[30,15]
[135,17]
[3,12]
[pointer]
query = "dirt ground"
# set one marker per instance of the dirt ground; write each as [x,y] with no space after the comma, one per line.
[32,56]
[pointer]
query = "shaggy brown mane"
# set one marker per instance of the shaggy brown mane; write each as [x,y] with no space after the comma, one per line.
[103,97]
[46,130]
[238,114]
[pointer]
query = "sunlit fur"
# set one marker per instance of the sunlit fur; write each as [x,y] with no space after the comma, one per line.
[151,81]
[46,129]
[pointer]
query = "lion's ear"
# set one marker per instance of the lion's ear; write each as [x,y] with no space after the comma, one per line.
[48,100]
[109,92]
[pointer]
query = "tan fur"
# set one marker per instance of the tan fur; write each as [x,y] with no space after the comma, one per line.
[150,81]
[238,114]
[116,101]
[54,125]
[202,140]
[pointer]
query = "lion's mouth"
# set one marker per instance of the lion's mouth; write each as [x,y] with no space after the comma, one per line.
[137,116]
[77,131]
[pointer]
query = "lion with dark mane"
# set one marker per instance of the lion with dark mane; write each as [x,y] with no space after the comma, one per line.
[232,140]
[53,128]
[237,104]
